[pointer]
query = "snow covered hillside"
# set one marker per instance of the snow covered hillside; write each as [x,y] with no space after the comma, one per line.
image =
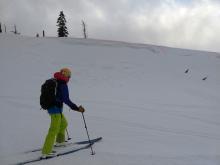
[137,97]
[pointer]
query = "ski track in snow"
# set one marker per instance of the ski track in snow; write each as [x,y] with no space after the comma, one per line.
[164,109]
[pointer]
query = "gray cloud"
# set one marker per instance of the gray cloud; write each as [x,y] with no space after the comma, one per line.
[191,24]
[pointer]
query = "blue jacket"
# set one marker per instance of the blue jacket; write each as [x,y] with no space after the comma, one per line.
[62,96]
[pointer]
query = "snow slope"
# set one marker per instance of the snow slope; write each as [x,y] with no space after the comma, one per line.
[137,97]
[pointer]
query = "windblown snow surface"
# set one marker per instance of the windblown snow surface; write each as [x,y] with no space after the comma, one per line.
[137,97]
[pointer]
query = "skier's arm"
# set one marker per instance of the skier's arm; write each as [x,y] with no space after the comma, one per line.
[66,99]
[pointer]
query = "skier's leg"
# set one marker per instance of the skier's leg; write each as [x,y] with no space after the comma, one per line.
[52,132]
[61,133]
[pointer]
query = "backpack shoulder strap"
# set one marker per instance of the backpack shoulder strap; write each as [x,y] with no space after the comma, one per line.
[56,85]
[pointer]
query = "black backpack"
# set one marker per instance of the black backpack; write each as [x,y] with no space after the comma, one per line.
[48,94]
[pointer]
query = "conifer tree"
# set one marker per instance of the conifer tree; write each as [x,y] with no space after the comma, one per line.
[5,28]
[61,23]
[0,27]
[84,29]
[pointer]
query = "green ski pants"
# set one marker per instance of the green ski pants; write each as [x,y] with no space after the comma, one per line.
[56,132]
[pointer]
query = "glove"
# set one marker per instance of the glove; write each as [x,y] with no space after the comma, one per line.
[81,109]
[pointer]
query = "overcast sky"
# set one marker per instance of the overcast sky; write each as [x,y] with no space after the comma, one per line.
[193,24]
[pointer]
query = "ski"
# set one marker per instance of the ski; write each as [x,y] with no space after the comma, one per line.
[88,145]
[68,144]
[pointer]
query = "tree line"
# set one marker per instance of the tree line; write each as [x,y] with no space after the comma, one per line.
[5,29]
[62,30]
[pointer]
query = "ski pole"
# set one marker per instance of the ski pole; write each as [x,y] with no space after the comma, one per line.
[69,138]
[92,152]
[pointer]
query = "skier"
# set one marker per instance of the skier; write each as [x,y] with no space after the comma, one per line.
[59,123]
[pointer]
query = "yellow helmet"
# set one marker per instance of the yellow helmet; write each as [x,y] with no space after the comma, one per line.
[66,72]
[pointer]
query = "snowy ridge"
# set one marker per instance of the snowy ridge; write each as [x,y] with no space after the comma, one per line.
[149,103]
